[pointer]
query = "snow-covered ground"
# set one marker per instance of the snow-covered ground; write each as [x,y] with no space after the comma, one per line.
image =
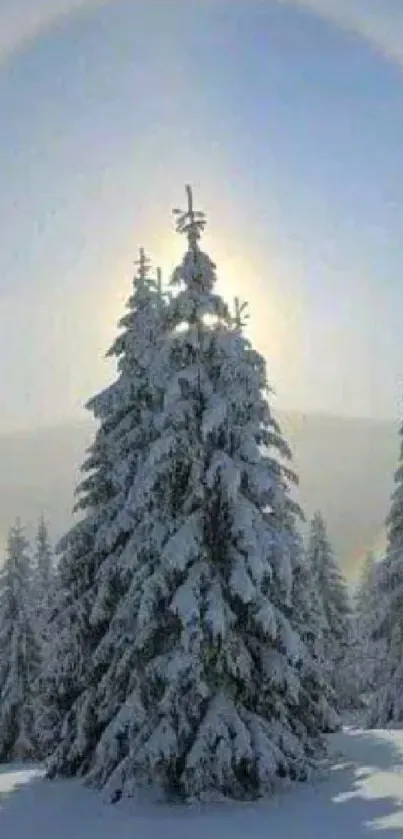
[362,796]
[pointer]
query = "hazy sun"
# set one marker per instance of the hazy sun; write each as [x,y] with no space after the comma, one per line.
[274,322]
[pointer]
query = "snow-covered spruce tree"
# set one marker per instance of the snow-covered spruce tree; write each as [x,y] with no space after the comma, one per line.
[355,693]
[43,579]
[361,620]
[370,650]
[90,581]
[335,603]
[318,699]
[386,705]
[306,614]
[19,658]
[213,705]
[67,651]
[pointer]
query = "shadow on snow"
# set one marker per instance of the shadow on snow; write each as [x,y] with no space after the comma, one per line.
[359,798]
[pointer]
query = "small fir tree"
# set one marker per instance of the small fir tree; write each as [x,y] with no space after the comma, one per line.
[43,578]
[364,618]
[308,615]
[19,658]
[336,610]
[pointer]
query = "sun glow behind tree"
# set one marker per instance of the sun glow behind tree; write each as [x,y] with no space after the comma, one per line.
[276,327]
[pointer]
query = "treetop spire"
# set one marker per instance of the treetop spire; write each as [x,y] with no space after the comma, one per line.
[143,264]
[191,222]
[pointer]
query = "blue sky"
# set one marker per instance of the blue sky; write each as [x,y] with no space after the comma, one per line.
[290,127]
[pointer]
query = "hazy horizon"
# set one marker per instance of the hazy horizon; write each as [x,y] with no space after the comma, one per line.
[84,417]
[345,467]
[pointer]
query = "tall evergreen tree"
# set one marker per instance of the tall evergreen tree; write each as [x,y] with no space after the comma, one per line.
[387,627]
[18,651]
[335,611]
[90,579]
[204,651]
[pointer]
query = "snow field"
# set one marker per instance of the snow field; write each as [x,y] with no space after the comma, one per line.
[360,797]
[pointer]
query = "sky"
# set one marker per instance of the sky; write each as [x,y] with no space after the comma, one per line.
[287,119]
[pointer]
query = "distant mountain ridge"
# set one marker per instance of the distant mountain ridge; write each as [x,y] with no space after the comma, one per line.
[345,467]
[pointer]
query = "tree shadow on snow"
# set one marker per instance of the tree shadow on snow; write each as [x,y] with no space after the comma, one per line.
[379,749]
[359,798]
[362,796]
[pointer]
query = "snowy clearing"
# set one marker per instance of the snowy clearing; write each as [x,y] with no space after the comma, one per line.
[360,797]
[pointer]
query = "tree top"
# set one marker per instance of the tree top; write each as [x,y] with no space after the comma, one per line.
[143,264]
[191,222]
